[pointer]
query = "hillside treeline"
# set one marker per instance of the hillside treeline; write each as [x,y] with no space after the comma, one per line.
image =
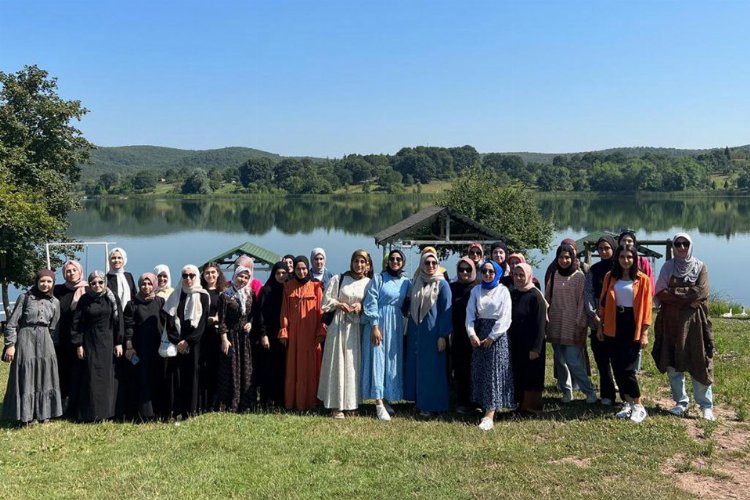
[604,171]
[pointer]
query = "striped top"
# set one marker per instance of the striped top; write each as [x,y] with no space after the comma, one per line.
[567,321]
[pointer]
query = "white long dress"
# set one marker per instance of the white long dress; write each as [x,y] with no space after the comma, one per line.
[340,374]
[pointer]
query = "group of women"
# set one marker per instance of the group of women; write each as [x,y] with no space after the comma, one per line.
[110,347]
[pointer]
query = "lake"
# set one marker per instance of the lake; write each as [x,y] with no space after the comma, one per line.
[177,232]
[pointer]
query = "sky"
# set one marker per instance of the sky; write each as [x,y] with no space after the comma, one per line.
[328,78]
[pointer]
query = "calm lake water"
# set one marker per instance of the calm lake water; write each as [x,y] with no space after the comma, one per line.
[177,232]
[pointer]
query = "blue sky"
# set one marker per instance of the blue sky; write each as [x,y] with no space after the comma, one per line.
[326,78]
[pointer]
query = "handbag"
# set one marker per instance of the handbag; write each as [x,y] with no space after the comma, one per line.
[328,316]
[166,348]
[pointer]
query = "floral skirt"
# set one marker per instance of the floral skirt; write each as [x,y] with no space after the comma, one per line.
[491,374]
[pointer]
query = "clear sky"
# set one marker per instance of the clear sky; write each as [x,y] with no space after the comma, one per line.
[326,78]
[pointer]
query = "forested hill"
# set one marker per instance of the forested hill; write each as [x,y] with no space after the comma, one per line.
[128,159]
[633,152]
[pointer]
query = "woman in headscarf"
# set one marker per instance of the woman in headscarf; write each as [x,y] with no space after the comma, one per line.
[302,331]
[236,390]
[119,280]
[526,335]
[214,282]
[552,267]
[97,333]
[513,260]
[247,262]
[684,339]
[144,322]
[33,391]
[566,329]
[271,358]
[425,370]
[288,259]
[339,387]
[460,347]
[592,291]
[383,336]
[68,293]
[187,310]
[499,253]
[488,316]
[164,281]
[625,311]
[476,255]
[318,267]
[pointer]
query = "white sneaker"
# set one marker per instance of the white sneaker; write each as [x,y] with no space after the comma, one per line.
[382,413]
[607,402]
[679,410]
[591,398]
[389,408]
[638,414]
[708,414]
[486,424]
[567,397]
[625,410]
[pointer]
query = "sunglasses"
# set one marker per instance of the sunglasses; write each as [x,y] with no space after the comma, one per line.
[488,271]
[682,244]
[188,275]
[99,282]
[475,252]
[430,263]
[395,259]
[464,270]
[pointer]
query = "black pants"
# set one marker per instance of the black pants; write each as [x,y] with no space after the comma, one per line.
[624,351]
[603,359]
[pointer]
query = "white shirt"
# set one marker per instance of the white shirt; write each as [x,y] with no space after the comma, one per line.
[624,293]
[489,304]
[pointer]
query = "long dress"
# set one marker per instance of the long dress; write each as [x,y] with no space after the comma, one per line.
[270,363]
[98,327]
[183,371]
[460,350]
[125,375]
[339,385]
[144,322]
[488,315]
[66,353]
[208,393]
[526,334]
[383,365]
[33,390]
[425,368]
[236,389]
[301,324]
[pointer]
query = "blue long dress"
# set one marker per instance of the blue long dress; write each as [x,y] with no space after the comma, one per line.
[383,365]
[425,370]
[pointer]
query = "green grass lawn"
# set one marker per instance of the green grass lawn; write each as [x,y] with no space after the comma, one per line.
[574,451]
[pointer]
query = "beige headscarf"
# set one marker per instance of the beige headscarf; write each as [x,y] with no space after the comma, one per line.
[425,290]
[193,307]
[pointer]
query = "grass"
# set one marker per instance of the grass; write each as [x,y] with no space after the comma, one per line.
[575,451]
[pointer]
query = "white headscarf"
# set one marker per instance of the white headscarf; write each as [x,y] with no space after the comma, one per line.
[425,290]
[123,288]
[317,274]
[240,292]
[163,269]
[193,307]
[686,269]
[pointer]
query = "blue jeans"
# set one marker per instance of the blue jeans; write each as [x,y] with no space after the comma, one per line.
[571,367]
[704,395]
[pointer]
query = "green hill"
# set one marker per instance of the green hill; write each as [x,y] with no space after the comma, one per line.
[636,152]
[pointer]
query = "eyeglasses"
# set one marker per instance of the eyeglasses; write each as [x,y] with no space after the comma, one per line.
[475,252]
[682,244]
[488,271]
[98,282]
[430,263]
[464,270]
[188,275]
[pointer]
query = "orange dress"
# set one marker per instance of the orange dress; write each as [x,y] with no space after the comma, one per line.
[301,325]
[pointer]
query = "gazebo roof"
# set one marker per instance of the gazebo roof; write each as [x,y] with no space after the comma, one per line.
[259,254]
[437,225]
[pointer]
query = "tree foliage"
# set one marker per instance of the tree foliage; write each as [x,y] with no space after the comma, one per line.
[40,158]
[508,210]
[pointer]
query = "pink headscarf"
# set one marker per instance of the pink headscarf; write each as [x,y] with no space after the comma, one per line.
[529,284]
[154,283]
[79,286]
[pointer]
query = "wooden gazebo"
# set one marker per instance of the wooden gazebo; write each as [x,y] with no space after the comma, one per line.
[586,246]
[258,253]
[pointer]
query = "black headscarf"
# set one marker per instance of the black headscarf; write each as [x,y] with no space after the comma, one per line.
[297,260]
[627,232]
[35,289]
[573,267]
[272,295]
[400,272]
[500,244]
[601,268]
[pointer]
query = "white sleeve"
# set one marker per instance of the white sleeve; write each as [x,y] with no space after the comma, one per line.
[330,298]
[504,309]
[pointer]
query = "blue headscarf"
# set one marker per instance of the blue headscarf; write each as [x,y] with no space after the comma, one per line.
[498,274]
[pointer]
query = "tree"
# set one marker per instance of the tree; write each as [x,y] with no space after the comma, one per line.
[40,154]
[507,210]
[109,180]
[257,170]
[144,181]
[197,183]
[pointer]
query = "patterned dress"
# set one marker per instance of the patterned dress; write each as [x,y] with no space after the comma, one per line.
[236,390]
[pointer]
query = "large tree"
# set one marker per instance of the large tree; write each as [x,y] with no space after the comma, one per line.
[40,157]
[509,210]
